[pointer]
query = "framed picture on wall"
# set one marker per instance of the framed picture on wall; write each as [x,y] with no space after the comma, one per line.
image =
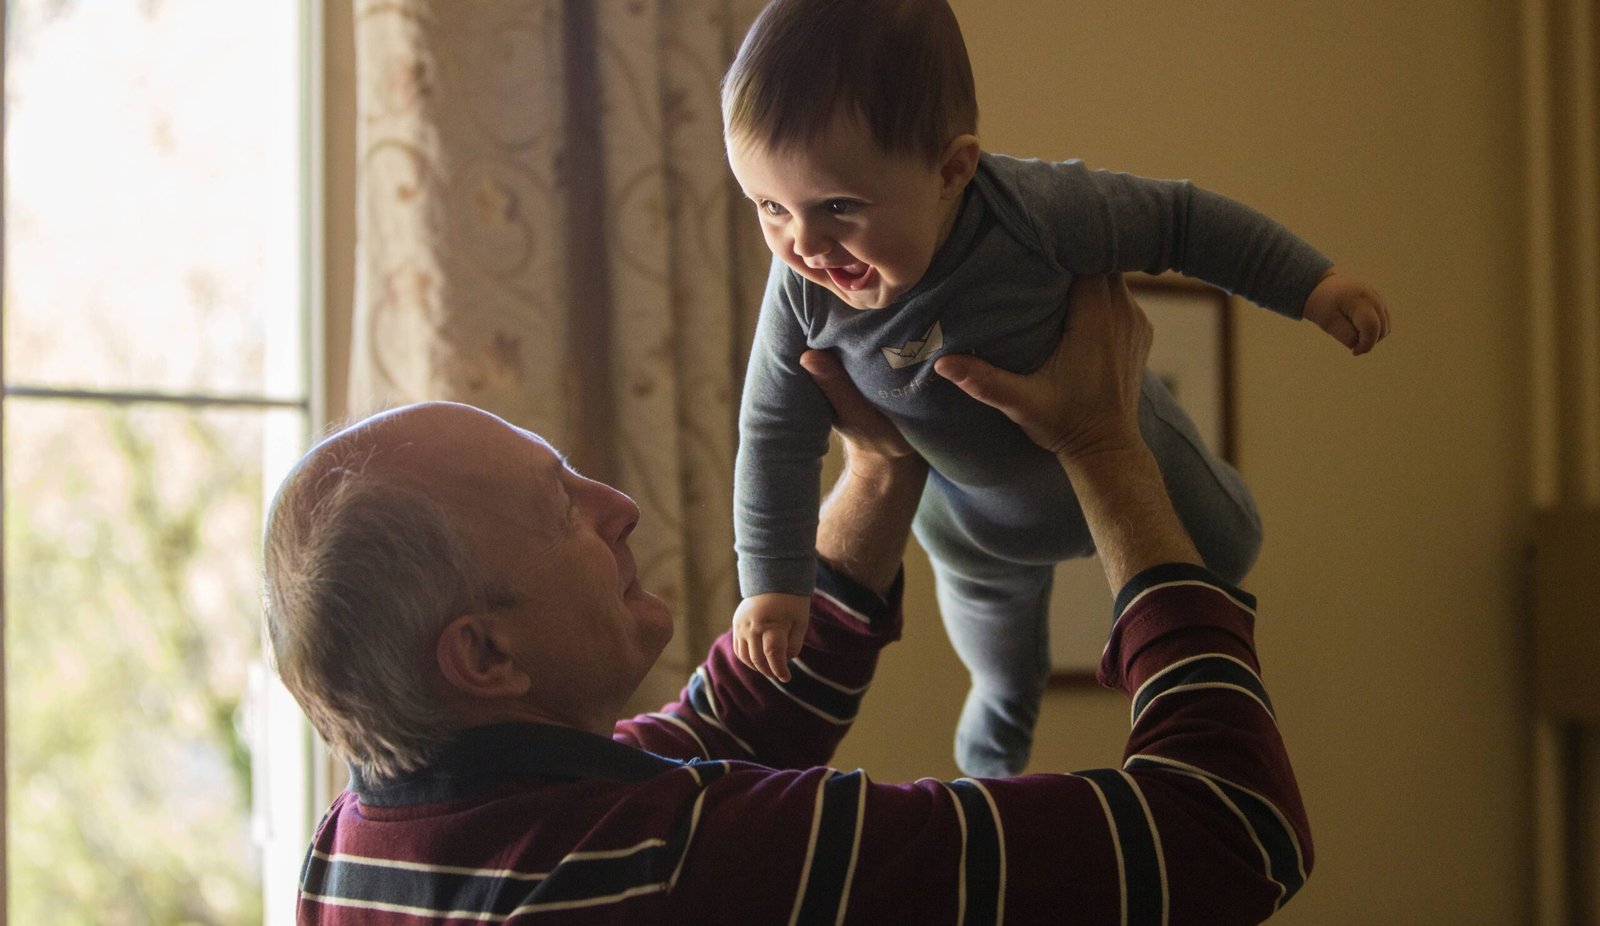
[1192,354]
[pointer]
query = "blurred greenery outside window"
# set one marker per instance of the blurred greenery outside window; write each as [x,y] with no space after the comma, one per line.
[158,220]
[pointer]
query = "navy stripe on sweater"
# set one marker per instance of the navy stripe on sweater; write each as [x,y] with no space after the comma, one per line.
[833,849]
[984,853]
[1205,671]
[827,699]
[579,880]
[1284,863]
[1282,859]
[1180,573]
[1144,887]
[347,881]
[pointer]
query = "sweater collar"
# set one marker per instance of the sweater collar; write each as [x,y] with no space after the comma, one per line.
[482,757]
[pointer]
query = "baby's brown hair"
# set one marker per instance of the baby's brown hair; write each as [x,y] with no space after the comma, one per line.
[900,65]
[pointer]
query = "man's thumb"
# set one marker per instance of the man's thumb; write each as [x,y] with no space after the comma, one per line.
[973,375]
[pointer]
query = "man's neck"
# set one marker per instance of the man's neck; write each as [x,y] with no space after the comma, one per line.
[489,713]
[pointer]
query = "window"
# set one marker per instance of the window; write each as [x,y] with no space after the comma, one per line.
[157,306]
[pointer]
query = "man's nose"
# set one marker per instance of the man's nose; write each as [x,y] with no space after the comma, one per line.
[622,514]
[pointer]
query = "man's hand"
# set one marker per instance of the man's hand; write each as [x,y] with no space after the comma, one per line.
[769,630]
[1352,313]
[865,521]
[1084,398]
[867,434]
[1083,405]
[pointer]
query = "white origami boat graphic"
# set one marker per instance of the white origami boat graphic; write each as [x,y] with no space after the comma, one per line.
[916,351]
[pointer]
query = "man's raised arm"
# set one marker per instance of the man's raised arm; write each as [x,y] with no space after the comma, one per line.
[731,711]
[1205,817]
[866,519]
[1202,823]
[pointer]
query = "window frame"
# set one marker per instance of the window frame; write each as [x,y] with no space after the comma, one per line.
[296,780]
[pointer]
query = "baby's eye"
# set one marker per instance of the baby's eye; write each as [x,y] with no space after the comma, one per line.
[841,206]
[771,208]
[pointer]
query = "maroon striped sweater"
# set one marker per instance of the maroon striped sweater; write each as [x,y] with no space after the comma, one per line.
[720,807]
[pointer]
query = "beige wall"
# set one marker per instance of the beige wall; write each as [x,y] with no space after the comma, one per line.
[1393,486]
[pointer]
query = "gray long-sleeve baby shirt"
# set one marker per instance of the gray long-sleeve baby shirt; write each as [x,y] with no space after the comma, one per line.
[996,289]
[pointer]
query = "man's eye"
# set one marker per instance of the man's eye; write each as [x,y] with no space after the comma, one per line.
[771,208]
[841,206]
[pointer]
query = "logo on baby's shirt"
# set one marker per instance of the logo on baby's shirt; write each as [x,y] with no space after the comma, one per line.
[915,351]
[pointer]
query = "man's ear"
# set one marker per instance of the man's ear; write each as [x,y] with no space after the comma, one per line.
[474,655]
[957,165]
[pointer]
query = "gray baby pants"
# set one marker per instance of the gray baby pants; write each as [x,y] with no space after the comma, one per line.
[996,611]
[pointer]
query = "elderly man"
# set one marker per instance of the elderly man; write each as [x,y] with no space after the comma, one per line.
[458,611]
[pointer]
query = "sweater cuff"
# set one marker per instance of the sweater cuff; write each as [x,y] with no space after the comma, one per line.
[858,607]
[1174,611]
[1174,573]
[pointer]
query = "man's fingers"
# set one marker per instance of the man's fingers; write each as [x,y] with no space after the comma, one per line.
[858,422]
[828,375]
[957,368]
[976,377]
[849,406]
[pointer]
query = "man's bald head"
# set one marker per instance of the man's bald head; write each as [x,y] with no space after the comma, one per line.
[365,562]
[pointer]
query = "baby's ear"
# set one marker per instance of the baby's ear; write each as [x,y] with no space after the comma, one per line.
[957,165]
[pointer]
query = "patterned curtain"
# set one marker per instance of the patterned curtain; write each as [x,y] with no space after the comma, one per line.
[547,229]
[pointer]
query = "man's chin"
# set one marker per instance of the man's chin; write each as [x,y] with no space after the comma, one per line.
[651,612]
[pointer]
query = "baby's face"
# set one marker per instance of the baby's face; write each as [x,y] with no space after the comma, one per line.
[844,214]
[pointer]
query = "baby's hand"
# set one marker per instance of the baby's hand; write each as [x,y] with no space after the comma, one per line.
[1349,310]
[768,631]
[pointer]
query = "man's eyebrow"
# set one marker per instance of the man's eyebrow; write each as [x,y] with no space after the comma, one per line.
[537,441]
[563,462]
[543,506]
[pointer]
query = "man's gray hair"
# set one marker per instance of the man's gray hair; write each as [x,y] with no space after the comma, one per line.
[363,569]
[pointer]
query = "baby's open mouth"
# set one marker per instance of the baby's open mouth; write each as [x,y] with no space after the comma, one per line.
[851,277]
